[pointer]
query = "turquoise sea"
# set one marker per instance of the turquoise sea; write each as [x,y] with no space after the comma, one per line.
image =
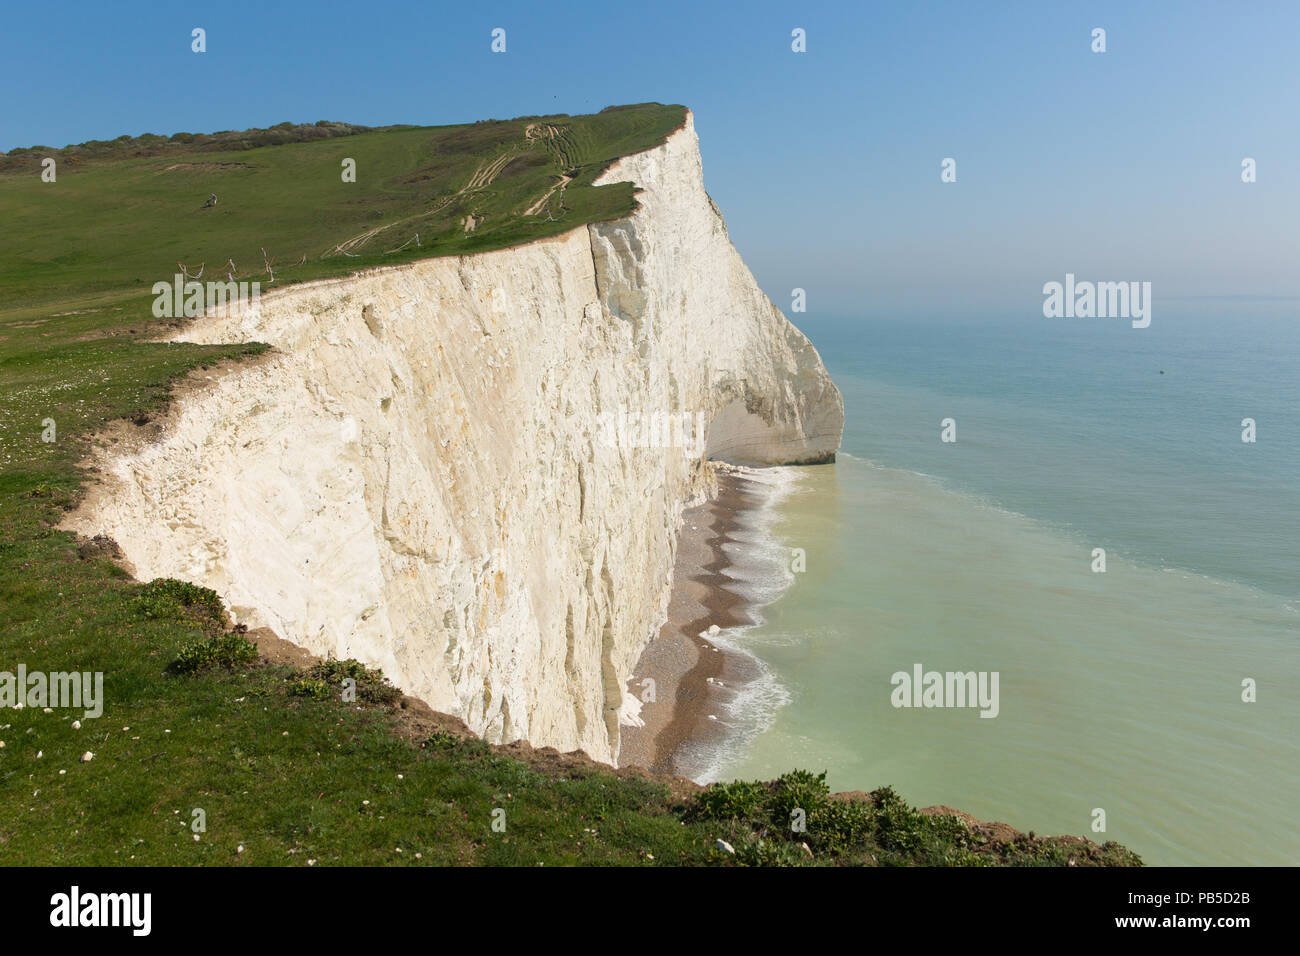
[1118,691]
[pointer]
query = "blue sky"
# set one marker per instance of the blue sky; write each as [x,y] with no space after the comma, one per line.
[1122,165]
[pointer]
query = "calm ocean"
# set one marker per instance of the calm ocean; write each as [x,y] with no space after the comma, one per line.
[1119,691]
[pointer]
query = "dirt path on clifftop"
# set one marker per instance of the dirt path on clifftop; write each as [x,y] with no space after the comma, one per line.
[483,177]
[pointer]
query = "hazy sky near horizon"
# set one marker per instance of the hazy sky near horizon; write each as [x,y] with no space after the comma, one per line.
[1123,165]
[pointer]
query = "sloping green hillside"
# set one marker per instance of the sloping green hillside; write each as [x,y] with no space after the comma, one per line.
[114,222]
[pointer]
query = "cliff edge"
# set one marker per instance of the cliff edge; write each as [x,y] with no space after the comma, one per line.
[470,471]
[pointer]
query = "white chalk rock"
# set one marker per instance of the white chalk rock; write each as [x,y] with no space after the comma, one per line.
[484,531]
[630,715]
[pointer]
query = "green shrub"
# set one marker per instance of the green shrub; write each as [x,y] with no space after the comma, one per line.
[840,826]
[763,852]
[222,650]
[738,800]
[169,599]
[441,740]
[917,838]
[330,678]
[884,830]
[797,790]
[311,687]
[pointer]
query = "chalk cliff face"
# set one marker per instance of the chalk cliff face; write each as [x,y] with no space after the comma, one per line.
[456,470]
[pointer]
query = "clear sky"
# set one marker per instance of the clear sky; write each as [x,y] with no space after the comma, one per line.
[1113,166]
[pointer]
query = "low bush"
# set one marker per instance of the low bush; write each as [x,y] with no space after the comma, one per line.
[337,678]
[223,650]
[173,600]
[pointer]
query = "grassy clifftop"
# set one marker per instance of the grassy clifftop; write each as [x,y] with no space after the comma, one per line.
[196,727]
[118,219]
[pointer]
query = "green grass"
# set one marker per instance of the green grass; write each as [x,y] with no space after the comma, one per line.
[277,761]
[109,229]
[794,820]
[151,144]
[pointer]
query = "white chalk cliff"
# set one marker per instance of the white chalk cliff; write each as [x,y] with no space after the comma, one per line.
[418,476]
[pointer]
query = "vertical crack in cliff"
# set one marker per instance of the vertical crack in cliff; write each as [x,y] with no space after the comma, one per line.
[613,685]
[595,266]
[573,673]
